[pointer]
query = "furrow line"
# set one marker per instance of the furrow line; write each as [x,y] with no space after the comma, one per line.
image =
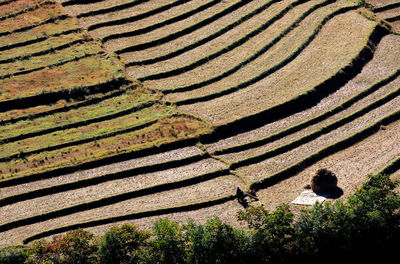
[44,52]
[214,55]
[78,142]
[86,102]
[23,29]
[305,100]
[393,19]
[391,168]
[232,47]
[82,183]
[161,24]
[113,199]
[329,150]
[32,8]
[51,97]
[133,18]
[39,39]
[312,121]
[266,73]
[7,2]
[78,124]
[10,75]
[204,40]
[137,215]
[79,2]
[387,7]
[169,146]
[111,9]
[324,130]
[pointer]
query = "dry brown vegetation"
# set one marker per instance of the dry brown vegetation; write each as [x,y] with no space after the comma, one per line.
[261,96]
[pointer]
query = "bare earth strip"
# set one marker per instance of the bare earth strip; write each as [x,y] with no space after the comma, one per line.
[226,212]
[176,154]
[389,13]
[204,191]
[201,51]
[351,165]
[384,63]
[380,3]
[287,46]
[65,199]
[121,14]
[232,57]
[161,34]
[270,166]
[143,23]
[79,9]
[284,84]
[285,140]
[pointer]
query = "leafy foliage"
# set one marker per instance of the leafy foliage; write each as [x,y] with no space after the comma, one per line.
[75,247]
[122,244]
[364,228]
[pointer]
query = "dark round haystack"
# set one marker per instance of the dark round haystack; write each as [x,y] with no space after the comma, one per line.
[323,181]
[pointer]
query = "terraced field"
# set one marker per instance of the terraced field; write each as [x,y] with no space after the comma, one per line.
[130,110]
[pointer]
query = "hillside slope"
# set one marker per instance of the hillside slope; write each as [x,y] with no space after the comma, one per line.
[127,110]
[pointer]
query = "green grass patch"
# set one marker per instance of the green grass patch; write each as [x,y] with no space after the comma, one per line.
[164,131]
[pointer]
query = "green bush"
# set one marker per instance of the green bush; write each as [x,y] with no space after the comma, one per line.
[13,255]
[167,244]
[362,228]
[75,247]
[273,234]
[122,245]
[215,242]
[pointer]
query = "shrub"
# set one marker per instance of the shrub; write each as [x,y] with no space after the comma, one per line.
[273,233]
[167,245]
[13,255]
[75,247]
[362,228]
[122,244]
[215,242]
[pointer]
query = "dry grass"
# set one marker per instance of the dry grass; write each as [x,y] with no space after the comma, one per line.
[61,105]
[383,64]
[86,132]
[288,45]
[396,26]
[389,13]
[200,34]
[128,100]
[379,3]
[295,136]
[41,31]
[226,212]
[204,191]
[164,131]
[18,6]
[270,166]
[177,154]
[351,165]
[85,72]
[65,199]
[31,18]
[116,15]
[48,60]
[78,9]
[349,31]
[48,44]
[233,57]
[205,50]
[142,23]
